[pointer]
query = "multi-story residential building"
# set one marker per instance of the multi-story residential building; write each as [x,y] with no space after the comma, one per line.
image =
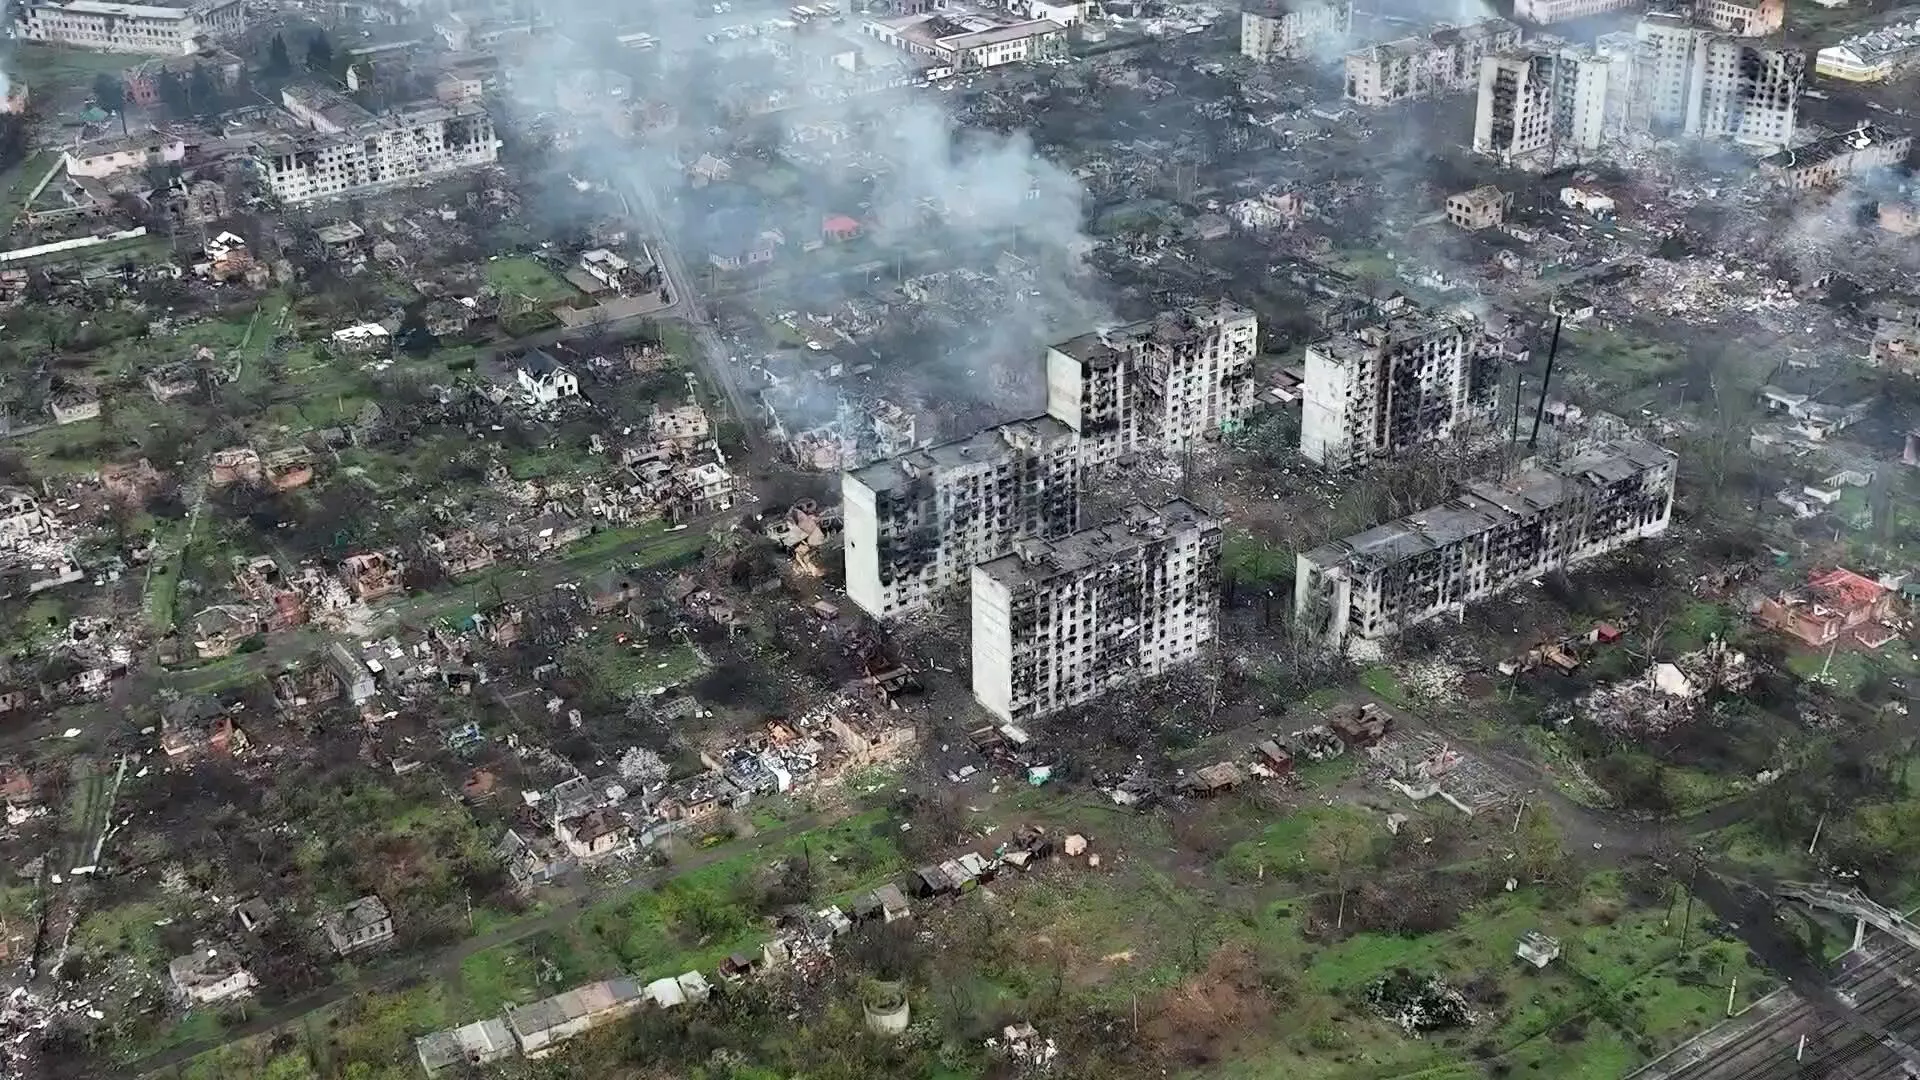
[1443,60]
[388,151]
[1543,12]
[1293,29]
[1087,390]
[1545,106]
[1057,623]
[1158,386]
[1692,81]
[1747,18]
[1408,380]
[917,524]
[957,42]
[153,29]
[1489,537]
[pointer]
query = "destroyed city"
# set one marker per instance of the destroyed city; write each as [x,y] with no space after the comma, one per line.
[950,539]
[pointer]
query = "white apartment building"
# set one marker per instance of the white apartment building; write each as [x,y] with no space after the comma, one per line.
[917,524]
[1057,623]
[389,151]
[1695,82]
[1746,18]
[149,29]
[1490,537]
[1443,60]
[1545,107]
[1293,29]
[1160,385]
[1543,12]
[1388,388]
[1871,57]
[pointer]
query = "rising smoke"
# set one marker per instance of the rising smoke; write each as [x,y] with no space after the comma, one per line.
[929,191]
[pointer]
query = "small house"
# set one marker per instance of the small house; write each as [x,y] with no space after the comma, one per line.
[544,380]
[479,1043]
[209,975]
[362,924]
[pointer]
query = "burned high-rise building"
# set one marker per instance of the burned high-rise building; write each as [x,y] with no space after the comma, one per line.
[1056,623]
[1158,386]
[1546,105]
[1690,80]
[917,524]
[1441,61]
[1486,539]
[1411,379]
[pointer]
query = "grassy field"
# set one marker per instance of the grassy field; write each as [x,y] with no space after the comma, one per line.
[17,183]
[520,275]
[630,669]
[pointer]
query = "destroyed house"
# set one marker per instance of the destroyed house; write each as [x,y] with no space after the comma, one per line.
[360,925]
[1487,539]
[1835,604]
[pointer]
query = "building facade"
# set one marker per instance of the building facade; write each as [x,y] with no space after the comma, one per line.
[1692,81]
[147,29]
[1158,386]
[1746,18]
[1387,388]
[1832,161]
[1874,56]
[1441,61]
[1541,107]
[1293,29]
[1485,540]
[389,151]
[1543,12]
[1057,623]
[917,524]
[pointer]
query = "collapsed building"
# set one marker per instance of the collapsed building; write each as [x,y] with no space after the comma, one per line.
[917,524]
[1410,379]
[1056,623]
[1292,29]
[370,155]
[1486,539]
[1442,61]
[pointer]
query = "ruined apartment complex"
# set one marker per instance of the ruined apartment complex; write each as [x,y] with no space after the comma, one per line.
[354,155]
[1375,392]
[1548,103]
[1443,60]
[1060,622]
[1491,536]
[1293,29]
[917,524]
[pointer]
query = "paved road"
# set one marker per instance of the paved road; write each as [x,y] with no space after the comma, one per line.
[446,964]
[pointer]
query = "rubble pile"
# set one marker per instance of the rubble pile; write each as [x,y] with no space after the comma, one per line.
[1418,1003]
[1670,695]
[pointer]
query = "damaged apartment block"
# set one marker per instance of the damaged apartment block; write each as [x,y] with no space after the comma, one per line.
[1485,540]
[1384,389]
[1061,622]
[1157,386]
[918,524]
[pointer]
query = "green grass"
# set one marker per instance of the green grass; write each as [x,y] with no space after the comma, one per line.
[1246,558]
[19,183]
[523,276]
[632,669]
